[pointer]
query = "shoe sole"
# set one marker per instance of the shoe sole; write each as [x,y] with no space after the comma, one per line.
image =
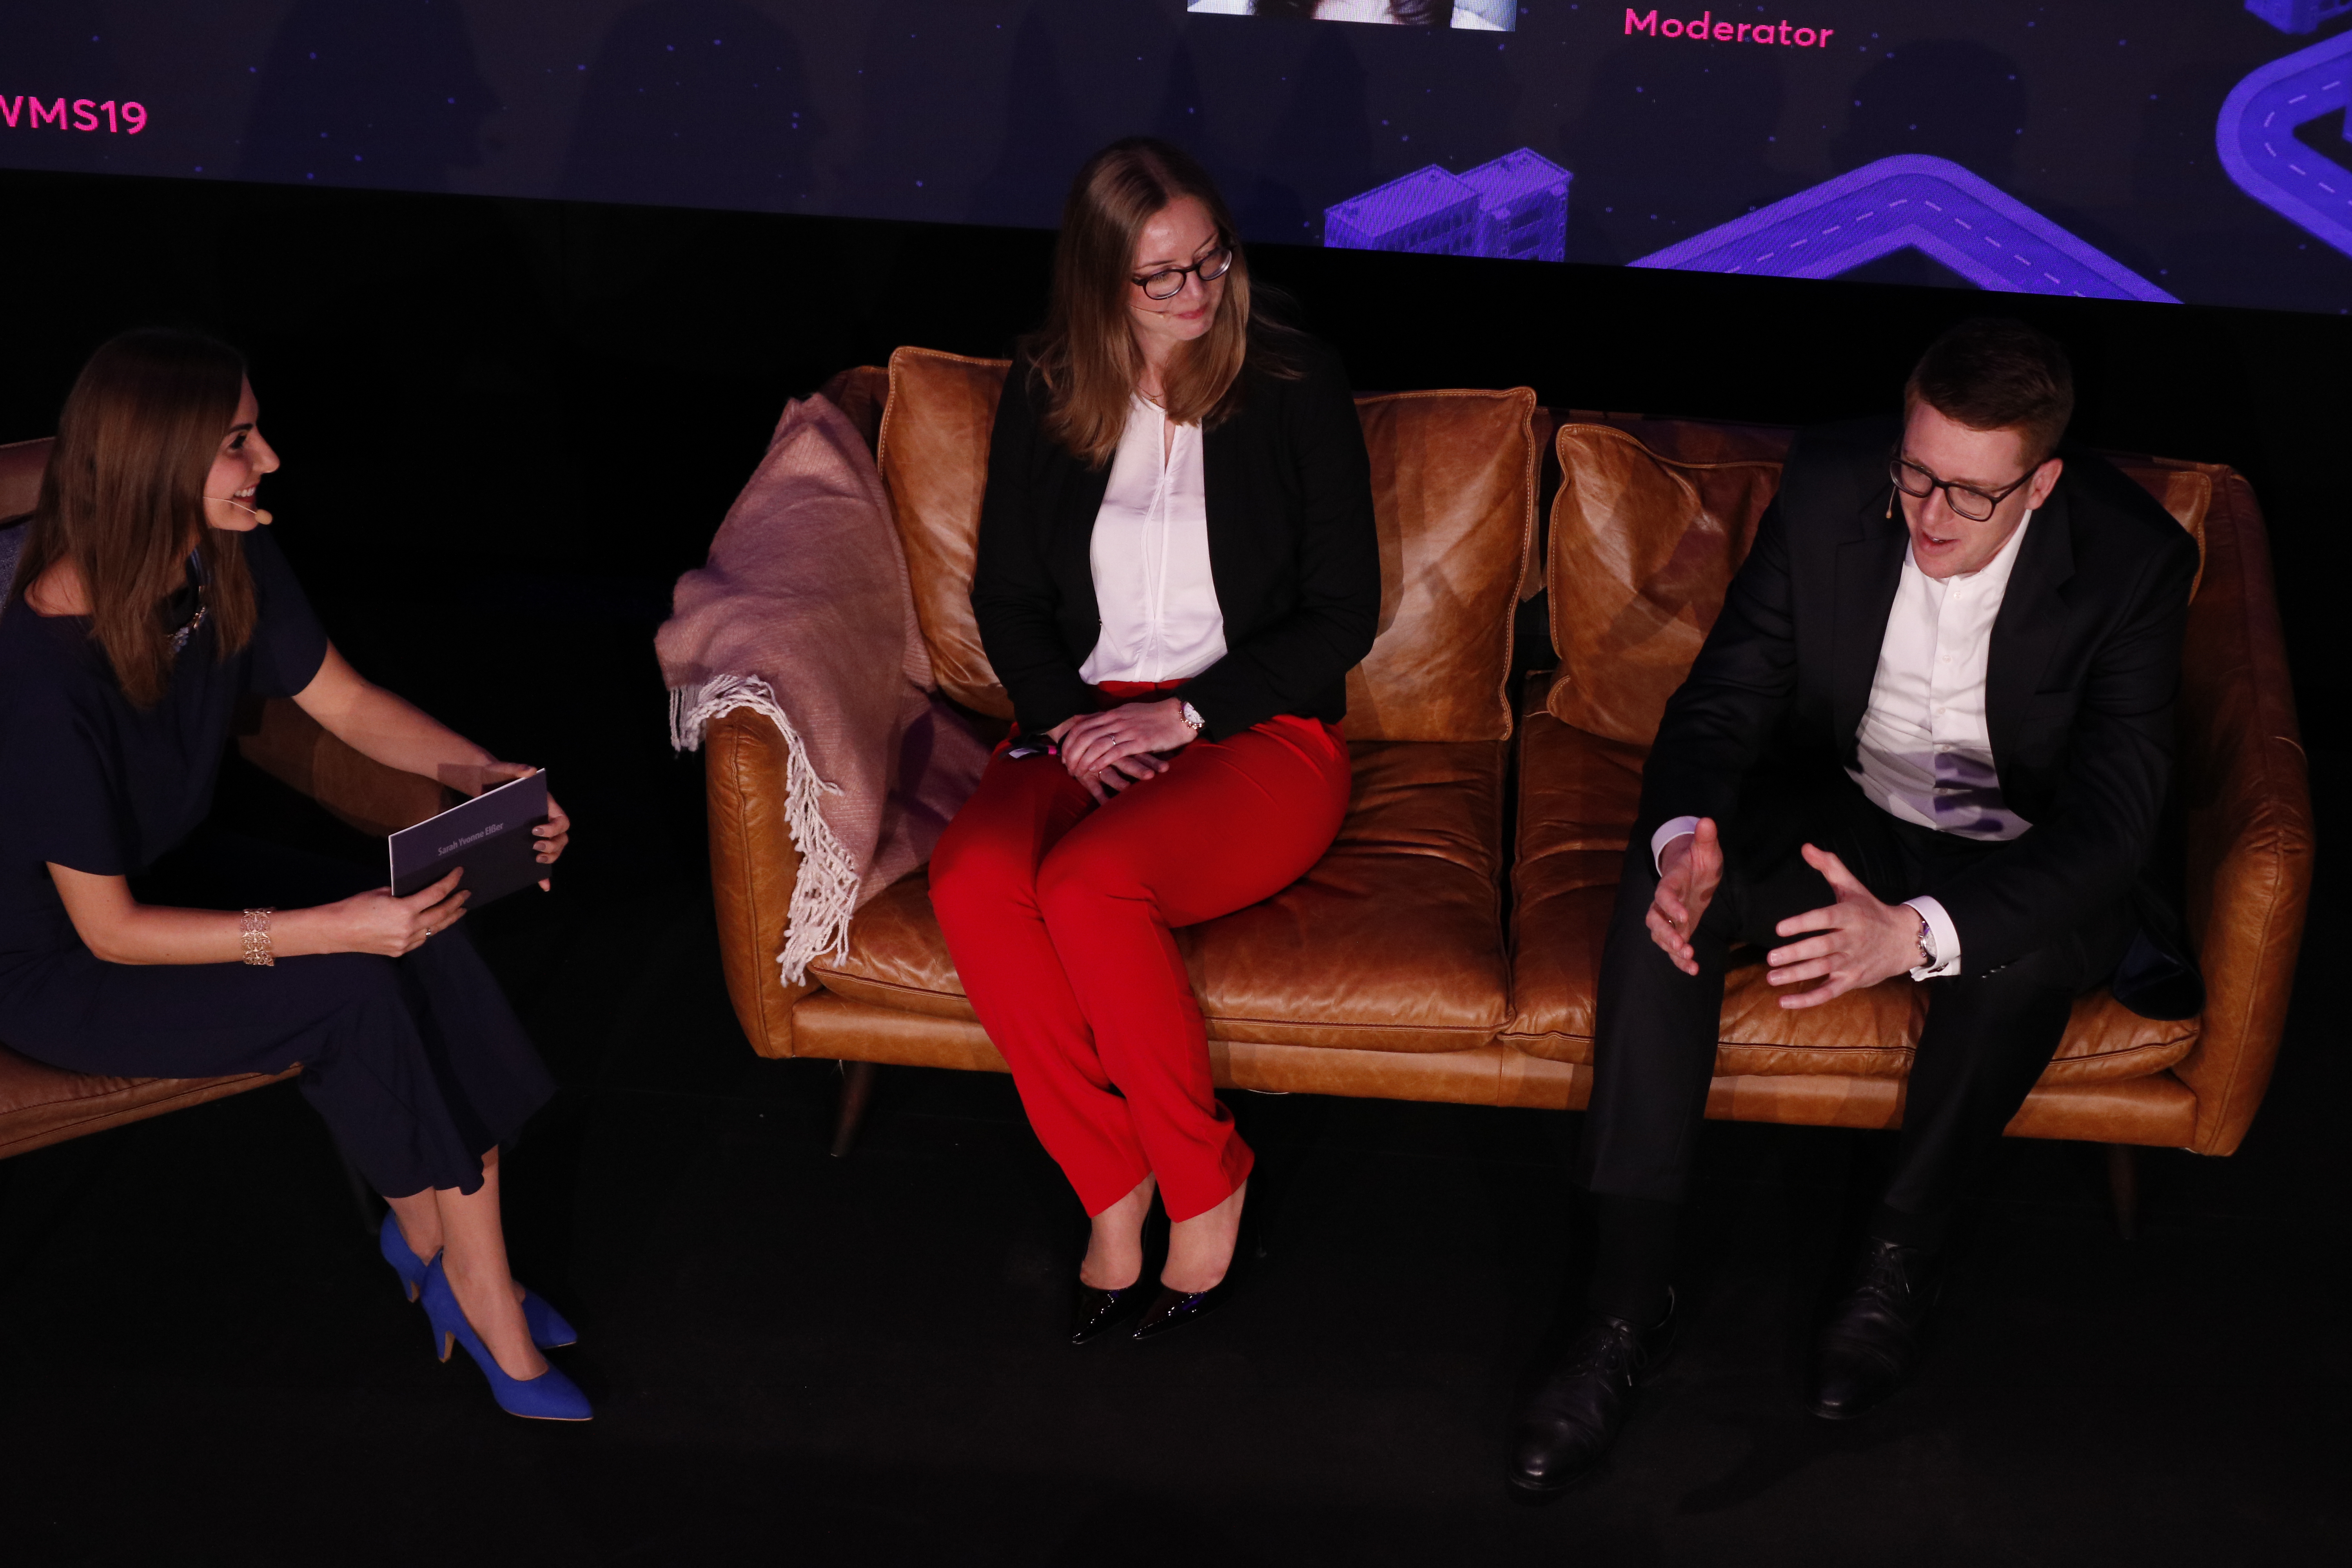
[1522,1492]
[1850,1412]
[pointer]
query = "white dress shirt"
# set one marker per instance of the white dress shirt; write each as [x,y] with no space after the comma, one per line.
[1924,752]
[1150,557]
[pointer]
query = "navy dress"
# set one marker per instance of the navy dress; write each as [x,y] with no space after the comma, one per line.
[419,1064]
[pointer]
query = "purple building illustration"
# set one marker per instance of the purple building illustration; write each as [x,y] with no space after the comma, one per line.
[1523,206]
[1514,207]
[1428,211]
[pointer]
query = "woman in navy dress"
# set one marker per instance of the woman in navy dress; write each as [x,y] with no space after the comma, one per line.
[133,940]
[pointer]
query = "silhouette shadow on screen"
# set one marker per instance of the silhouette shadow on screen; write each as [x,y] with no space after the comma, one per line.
[1060,50]
[368,92]
[1966,103]
[1322,147]
[696,103]
[1946,98]
[1673,140]
[1043,142]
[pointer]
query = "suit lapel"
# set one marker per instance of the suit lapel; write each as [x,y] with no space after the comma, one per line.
[1869,570]
[2032,620]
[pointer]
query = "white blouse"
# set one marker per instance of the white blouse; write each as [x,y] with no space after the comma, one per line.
[1150,557]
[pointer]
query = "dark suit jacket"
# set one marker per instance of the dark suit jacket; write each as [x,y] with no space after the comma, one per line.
[2080,680]
[1291,547]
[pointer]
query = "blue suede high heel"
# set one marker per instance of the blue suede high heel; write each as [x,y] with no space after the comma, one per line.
[549,1330]
[394,1247]
[550,1396]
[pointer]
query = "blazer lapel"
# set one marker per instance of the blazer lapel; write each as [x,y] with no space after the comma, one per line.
[1869,568]
[2032,620]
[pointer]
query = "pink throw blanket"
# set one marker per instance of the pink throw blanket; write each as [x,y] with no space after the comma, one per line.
[803,613]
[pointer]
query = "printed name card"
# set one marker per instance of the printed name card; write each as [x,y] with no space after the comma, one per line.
[488,837]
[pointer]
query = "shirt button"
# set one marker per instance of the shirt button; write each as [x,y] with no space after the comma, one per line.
[1939,711]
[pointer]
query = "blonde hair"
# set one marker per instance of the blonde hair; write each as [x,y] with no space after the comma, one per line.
[1086,357]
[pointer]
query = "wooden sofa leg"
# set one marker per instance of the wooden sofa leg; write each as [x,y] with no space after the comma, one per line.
[856,1089]
[2123,1188]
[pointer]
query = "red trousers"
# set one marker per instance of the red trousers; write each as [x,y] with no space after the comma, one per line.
[1059,912]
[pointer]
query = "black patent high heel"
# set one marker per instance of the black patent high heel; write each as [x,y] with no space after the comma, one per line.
[1172,1308]
[1095,1312]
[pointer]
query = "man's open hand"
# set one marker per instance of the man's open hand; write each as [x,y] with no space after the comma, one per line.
[1689,870]
[1861,942]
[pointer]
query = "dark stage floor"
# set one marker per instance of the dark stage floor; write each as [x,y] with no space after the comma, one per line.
[800,1360]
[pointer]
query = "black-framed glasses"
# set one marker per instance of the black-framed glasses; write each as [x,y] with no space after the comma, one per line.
[1966,500]
[1168,282]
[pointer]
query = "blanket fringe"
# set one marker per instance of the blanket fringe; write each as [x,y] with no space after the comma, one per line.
[825,896]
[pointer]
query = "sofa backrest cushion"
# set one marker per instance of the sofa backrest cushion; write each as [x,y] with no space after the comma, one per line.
[1453,497]
[1643,550]
[22,463]
[1653,519]
[933,454]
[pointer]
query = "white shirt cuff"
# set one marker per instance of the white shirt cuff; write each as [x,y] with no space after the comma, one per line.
[1947,935]
[1680,827]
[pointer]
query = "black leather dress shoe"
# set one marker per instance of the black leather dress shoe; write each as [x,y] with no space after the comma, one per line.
[1094,1313]
[1567,1427]
[1871,1341]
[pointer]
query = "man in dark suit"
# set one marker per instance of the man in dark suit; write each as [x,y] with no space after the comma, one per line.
[1930,733]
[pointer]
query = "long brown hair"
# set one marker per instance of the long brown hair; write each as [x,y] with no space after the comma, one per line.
[122,499]
[1086,355]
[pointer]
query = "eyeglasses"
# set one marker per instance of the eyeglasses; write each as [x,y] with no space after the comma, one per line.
[1966,500]
[1168,282]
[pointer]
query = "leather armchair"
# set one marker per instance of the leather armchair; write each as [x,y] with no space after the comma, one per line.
[1391,970]
[40,1105]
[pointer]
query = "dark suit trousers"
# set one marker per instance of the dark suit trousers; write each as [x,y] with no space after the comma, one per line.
[1987,1037]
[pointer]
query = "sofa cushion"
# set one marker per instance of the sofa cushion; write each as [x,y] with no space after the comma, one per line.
[1577,795]
[1653,519]
[1644,547]
[22,464]
[1393,942]
[933,457]
[1453,497]
[2184,490]
[40,1105]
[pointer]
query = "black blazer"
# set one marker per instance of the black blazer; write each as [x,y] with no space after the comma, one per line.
[2079,682]
[1291,547]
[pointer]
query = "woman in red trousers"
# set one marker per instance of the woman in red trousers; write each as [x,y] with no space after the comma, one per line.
[1177,569]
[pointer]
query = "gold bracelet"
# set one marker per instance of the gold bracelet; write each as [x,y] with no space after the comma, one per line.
[257,937]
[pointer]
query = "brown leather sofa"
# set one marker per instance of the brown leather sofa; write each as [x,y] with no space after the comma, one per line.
[1442,952]
[40,1105]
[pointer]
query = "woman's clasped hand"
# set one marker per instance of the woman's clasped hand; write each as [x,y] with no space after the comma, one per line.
[1109,751]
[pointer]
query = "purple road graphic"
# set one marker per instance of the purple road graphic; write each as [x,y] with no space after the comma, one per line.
[2258,146]
[2298,16]
[1933,204]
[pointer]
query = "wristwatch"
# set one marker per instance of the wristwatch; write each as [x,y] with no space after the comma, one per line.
[1192,719]
[1927,942]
